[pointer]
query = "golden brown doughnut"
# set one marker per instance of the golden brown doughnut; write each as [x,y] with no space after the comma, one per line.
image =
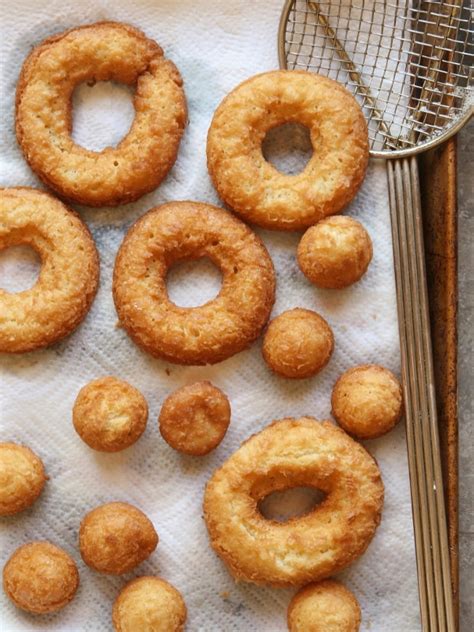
[109,414]
[200,335]
[367,401]
[149,604]
[22,478]
[69,275]
[252,186]
[40,577]
[103,51]
[293,453]
[335,253]
[116,537]
[195,418]
[298,343]
[326,606]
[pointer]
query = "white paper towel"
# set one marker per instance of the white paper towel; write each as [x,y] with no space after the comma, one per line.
[215,45]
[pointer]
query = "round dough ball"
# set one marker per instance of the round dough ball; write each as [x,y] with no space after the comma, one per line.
[298,343]
[367,401]
[195,418]
[40,577]
[109,414]
[335,253]
[116,537]
[149,604]
[326,606]
[22,478]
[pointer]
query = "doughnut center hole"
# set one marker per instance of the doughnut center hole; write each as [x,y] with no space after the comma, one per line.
[290,503]
[102,114]
[288,148]
[193,283]
[19,268]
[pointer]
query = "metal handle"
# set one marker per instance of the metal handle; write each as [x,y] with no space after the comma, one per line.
[432,552]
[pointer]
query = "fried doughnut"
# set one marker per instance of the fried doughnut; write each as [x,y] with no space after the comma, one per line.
[22,478]
[335,253]
[69,275]
[149,604]
[200,335]
[253,187]
[367,401]
[116,537]
[195,418]
[293,453]
[103,51]
[40,577]
[298,343]
[326,606]
[109,414]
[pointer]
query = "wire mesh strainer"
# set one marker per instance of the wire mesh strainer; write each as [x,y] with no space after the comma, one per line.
[410,66]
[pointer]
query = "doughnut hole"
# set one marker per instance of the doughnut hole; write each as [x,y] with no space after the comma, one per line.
[327,606]
[22,478]
[298,343]
[367,401]
[109,414]
[114,538]
[335,253]
[288,147]
[290,503]
[40,577]
[184,277]
[20,268]
[149,604]
[195,418]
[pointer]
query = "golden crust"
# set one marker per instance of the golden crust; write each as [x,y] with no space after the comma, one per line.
[149,604]
[116,537]
[22,478]
[69,275]
[195,418]
[293,453]
[199,335]
[367,401]
[109,414]
[326,606]
[99,52]
[40,577]
[252,186]
[335,253]
[298,343]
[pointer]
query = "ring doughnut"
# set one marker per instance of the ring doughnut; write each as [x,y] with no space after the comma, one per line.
[211,332]
[99,52]
[69,274]
[293,453]
[326,606]
[257,191]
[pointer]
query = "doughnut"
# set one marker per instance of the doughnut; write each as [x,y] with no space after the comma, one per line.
[116,537]
[211,332]
[298,343]
[195,418]
[294,453]
[327,606]
[149,604]
[257,191]
[22,478]
[109,414]
[335,253]
[69,276]
[105,51]
[40,577]
[367,401]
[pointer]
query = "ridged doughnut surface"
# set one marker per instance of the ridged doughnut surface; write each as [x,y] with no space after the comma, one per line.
[199,335]
[294,453]
[103,51]
[69,274]
[251,185]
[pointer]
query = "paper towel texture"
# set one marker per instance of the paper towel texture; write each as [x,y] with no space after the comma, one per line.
[215,45]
